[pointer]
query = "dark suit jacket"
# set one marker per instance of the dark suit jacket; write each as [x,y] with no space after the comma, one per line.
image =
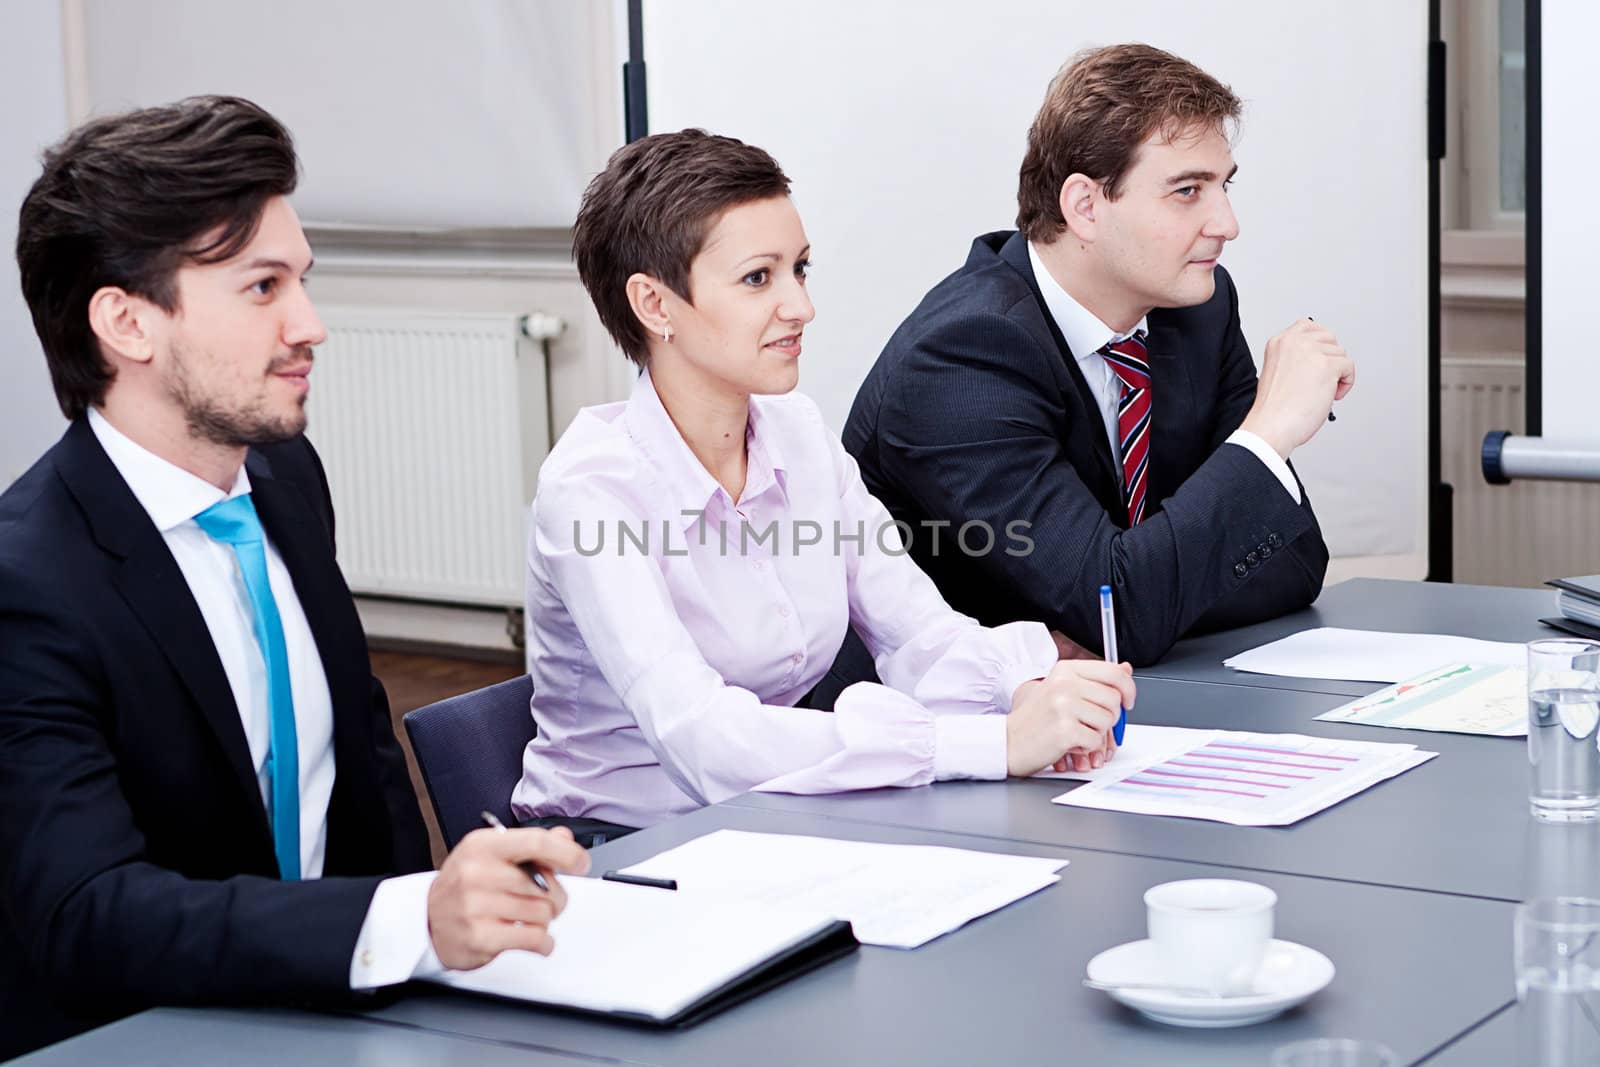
[976,410]
[136,863]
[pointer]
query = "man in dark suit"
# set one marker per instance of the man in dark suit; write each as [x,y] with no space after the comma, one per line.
[1076,406]
[201,796]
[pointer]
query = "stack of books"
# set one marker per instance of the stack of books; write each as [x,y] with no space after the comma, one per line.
[1579,602]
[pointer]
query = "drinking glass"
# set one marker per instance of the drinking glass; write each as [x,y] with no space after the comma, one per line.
[1558,980]
[1563,713]
[1334,1052]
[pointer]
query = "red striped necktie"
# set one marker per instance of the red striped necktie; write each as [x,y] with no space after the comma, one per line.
[1127,359]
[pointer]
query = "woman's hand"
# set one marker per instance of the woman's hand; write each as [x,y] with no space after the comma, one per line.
[1065,718]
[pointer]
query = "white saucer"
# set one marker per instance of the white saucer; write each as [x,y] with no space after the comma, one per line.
[1290,974]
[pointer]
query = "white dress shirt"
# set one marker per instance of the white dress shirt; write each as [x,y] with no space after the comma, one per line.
[1086,335]
[394,941]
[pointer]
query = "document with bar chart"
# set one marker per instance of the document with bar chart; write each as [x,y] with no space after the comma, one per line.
[1248,779]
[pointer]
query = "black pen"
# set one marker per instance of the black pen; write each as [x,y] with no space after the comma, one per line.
[530,869]
[639,879]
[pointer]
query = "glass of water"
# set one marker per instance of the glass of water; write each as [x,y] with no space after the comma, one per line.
[1558,981]
[1333,1052]
[1563,713]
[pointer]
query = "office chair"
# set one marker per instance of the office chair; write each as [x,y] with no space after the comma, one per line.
[470,747]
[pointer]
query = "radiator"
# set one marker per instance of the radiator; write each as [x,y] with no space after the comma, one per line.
[1518,534]
[431,427]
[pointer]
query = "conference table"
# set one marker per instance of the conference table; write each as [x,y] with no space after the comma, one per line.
[1409,887]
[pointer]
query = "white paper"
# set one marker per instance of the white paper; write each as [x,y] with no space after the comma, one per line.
[1141,746]
[625,948]
[1370,655]
[1460,698]
[896,896]
[1250,779]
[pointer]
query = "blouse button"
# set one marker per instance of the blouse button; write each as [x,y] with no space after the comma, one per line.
[784,612]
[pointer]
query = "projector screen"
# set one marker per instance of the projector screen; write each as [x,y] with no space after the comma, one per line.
[902,128]
[1564,227]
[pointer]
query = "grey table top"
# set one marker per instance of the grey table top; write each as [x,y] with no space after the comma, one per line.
[1406,887]
[273,1038]
[1457,824]
[1492,613]
[1495,1042]
[1005,988]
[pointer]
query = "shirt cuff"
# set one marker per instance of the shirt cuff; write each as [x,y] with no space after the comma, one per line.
[394,945]
[969,746]
[1039,654]
[1269,456]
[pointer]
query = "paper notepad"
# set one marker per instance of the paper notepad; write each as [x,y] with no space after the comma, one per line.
[659,957]
[1248,779]
[1369,655]
[1461,698]
[896,896]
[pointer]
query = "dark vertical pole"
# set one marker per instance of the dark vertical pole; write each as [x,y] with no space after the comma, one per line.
[1533,81]
[1441,536]
[635,117]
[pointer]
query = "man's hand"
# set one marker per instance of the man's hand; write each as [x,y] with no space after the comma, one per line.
[1067,716]
[1303,372]
[482,903]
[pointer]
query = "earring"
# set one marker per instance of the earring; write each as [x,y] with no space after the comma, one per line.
[666,333]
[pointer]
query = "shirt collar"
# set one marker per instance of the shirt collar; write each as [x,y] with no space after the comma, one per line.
[170,495]
[1084,333]
[693,487]
[767,467]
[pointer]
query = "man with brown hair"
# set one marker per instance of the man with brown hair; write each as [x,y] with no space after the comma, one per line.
[1077,407]
[203,799]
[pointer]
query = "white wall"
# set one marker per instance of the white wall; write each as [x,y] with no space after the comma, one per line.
[1570,230]
[35,114]
[407,113]
[903,128]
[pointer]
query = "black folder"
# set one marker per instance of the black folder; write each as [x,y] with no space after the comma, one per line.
[1573,627]
[1586,586]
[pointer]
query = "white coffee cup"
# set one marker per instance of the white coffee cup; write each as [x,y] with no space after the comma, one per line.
[1210,933]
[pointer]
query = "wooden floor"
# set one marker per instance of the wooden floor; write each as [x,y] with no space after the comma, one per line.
[415,681]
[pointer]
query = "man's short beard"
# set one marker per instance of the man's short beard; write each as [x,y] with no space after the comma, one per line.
[208,421]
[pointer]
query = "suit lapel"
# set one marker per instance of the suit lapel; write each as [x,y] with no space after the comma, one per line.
[1015,253]
[303,543]
[1171,404]
[355,810]
[149,580]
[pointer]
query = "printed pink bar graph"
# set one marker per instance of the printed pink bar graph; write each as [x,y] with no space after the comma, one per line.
[1216,778]
[1192,788]
[1282,751]
[1324,768]
[1241,770]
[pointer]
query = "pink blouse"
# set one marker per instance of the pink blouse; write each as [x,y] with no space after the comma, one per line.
[672,628]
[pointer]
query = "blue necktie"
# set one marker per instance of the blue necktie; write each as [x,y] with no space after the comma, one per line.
[234,522]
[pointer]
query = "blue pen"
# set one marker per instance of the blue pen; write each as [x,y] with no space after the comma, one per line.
[1108,638]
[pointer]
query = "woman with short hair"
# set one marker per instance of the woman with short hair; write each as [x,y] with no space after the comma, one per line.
[699,550]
